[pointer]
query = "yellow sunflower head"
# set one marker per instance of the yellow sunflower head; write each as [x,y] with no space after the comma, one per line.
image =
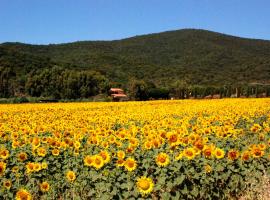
[88,160]
[105,156]
[121,154]
[44,186]
[98,162]
[130,164]
[219,153]
[4,154]
[189,153]
[23,194]
[22,156]
[162,159]
[71,176]
[7,184]
[145,185]
[55,152]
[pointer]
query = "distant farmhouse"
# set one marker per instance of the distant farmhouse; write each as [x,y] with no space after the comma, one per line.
[118,94]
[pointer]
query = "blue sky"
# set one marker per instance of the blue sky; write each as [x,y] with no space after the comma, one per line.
[60,21]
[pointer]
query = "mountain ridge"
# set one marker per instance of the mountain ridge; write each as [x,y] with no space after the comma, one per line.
[194,55]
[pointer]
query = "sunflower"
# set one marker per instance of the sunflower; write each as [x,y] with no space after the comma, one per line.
[105,156]
[189,153]
[172,138]
[44,186]
[245,156]
[233,154]
[98,162]
[7,184]
[41,151]
[147,145]
[55,152]
[23,194]
[37,167]
[88,161]
[30,167]
[145,185]
[130,164]
[208,151]
[2,168]
[71,176]
[4,154]
[121,154]
[219,153]
[22,156]
[162,159]
[257,152]
[120,163]
[44,165]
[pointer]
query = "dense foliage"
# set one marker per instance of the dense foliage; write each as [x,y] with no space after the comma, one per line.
[193,149]
[196,57]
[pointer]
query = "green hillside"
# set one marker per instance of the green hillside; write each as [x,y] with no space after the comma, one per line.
[198,57]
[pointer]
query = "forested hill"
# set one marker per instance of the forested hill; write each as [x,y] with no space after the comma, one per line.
[197,57]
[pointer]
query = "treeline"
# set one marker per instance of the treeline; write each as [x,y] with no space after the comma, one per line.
[64,83]
[141,90]
[56,82]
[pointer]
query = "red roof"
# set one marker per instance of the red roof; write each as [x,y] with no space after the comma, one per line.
[119,95]
[116,90]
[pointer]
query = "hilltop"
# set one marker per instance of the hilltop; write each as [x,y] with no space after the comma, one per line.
[196,56]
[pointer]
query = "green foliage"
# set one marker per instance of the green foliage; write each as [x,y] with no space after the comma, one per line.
[196,57]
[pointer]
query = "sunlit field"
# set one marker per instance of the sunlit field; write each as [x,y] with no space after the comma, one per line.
[190,149]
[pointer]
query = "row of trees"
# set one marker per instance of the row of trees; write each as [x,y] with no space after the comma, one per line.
[141,90]
[62,83]
[56,82]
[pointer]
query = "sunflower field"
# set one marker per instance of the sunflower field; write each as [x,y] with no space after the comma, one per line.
[179,149]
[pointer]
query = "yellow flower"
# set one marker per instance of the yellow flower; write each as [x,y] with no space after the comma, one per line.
[233,154]
[121,154]
[257,152]
[105,156]
[71,176]
[219,153]
[55,152]
[145,185]
[120,163]
[44,165]
[245,156]
[44,186]
[30,167]
[22,156]
[23,194]
[88,161]
[162,159]
[41,151]
[189,153]
[4,154]
[37,167]
[7,184]
[130,164]
[98,162]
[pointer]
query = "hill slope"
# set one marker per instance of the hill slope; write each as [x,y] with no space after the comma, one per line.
[197,56]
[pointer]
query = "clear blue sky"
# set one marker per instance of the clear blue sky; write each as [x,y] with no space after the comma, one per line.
[58,21]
